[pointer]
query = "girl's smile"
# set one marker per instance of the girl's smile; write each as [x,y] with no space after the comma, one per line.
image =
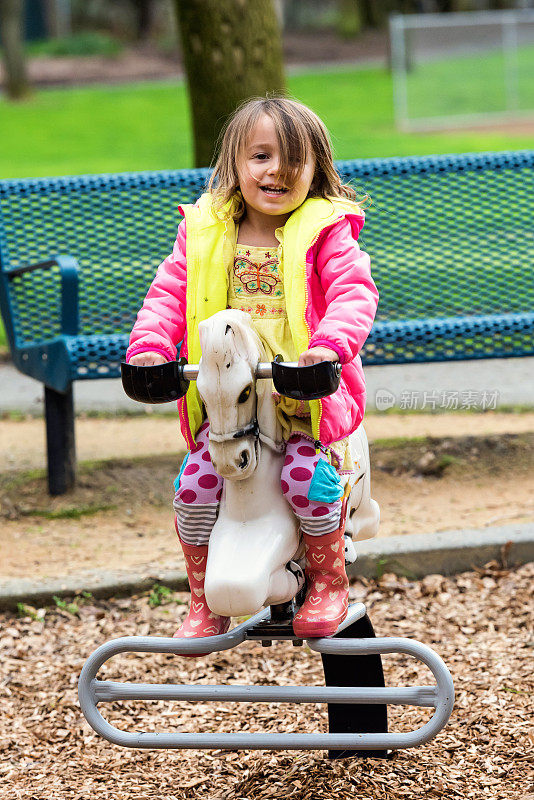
[268,200]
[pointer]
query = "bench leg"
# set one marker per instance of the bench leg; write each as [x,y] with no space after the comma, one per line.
[60,443]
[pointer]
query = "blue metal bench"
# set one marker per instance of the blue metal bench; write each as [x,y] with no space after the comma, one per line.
[451,240]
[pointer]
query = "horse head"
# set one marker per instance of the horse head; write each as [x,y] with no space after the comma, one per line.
[237,407]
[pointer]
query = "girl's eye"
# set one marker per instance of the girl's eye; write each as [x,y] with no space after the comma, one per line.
[261,156]
[245,394]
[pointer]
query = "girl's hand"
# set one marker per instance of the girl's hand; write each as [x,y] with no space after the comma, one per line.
[316,354]
[147,359]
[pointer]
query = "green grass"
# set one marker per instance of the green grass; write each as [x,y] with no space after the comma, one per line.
[87,43]
[147,126]
[67,513]
[111,129]
[468,85]
[357,108]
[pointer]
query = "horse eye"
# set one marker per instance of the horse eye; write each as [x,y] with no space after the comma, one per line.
[245,394]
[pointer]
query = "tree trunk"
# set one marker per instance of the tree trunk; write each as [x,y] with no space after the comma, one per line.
[349,21]
[13,48]
[374,14]
[232,50]
[143,19]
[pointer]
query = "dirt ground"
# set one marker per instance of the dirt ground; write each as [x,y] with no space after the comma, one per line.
[144,62]
[479,622]
[431,473]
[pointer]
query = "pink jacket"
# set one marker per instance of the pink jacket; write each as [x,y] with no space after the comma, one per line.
[341,302]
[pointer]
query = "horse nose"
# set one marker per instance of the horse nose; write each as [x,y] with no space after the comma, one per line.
[243,462]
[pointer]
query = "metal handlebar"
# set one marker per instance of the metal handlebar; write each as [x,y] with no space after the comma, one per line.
[163,383]
[263,370]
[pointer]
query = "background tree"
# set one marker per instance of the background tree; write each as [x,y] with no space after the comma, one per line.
[349,20]
[13,48]
[232,50]
[143,18]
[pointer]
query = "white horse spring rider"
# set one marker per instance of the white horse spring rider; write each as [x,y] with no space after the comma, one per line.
[253,539]
[254,548]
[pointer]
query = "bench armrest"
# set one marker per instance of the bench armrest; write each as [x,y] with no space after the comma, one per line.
[69,272]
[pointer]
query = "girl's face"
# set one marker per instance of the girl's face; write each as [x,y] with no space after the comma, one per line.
[257,169]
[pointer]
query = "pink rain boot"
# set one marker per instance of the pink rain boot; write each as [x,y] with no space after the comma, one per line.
[327,595]
[200,621]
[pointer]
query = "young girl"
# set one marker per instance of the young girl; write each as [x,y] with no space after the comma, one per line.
[275,236]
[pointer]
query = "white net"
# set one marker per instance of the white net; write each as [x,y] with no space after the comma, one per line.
[455,69]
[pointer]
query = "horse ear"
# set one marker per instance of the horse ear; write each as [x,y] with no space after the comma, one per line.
[237,340]
[233,341]
[203,332]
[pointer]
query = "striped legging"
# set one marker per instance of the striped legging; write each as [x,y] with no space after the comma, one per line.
[199,489]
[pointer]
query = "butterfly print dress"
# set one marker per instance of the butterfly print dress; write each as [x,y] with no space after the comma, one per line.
[256,285]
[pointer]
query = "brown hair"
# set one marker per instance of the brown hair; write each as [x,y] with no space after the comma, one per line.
[297,128]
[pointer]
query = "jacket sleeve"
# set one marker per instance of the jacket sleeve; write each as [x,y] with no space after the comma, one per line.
[351,295]
[160,324]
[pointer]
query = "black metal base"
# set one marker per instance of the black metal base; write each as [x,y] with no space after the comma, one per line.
[340,670]
[279,626]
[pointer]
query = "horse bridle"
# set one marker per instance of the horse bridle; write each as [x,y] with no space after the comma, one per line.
[252,429]
[248,431]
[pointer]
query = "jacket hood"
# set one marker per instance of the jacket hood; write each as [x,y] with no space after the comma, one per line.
[207,215]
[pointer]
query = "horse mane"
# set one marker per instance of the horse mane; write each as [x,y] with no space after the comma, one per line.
[233,330]
[229,336]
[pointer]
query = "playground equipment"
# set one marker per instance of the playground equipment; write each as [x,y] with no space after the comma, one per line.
[253,561]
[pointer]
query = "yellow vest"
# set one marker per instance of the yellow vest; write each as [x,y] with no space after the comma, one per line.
[210,253]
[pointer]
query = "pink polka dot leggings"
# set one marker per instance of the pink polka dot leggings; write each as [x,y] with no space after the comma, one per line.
[199,489]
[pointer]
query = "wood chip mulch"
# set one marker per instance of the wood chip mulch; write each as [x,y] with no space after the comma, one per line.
[479,622]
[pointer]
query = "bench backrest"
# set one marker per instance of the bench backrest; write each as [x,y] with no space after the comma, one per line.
[448,236]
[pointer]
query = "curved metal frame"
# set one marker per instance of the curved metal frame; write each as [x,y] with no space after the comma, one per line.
[440,696]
